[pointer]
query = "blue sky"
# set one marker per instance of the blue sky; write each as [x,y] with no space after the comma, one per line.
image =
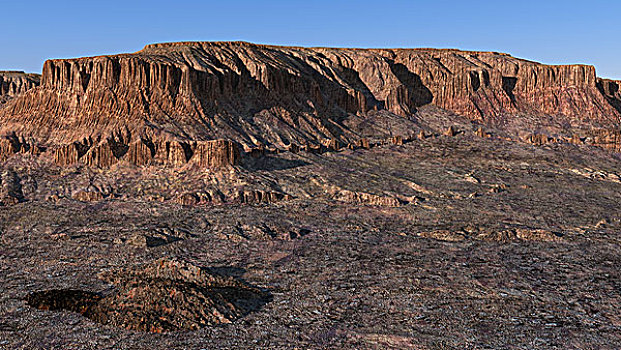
[547,31]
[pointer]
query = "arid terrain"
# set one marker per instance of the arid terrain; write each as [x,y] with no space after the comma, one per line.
[233,195]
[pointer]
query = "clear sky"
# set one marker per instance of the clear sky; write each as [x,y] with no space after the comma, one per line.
[548,31]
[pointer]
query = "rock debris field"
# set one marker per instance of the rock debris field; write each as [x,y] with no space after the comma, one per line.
[490,244]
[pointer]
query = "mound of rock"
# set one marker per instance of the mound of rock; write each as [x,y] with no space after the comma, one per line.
[164,296]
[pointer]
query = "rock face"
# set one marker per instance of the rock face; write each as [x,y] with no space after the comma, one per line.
[14,83]
[610,89]
[269,95]
[142,152]
[11,144]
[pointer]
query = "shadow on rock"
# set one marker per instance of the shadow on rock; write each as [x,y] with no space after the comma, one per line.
[164,296]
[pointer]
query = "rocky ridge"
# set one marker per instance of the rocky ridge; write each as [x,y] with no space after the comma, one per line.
[14,83]
[259,95]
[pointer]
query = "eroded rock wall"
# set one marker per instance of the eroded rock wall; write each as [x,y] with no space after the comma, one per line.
[270,95]
[203,154]
[14,83]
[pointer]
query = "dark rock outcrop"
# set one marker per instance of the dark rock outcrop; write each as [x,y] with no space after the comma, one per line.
[163,296]
[12,144]
[611,90]
[215,154]
[10,188]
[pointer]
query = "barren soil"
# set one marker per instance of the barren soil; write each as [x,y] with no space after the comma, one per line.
[445,243]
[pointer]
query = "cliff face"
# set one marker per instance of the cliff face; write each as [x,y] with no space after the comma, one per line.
[611,89]
[202,154]
[256,94]
[14,83]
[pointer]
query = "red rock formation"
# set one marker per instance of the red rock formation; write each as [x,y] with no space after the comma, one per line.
[143,152]
[605,138]
[611,90]
[8,147]
[364,143]
[66,155]
[292,148]
[178,95]
[397,140]
[257,196]
[71,153]
[173,153]
[538,139]
[332,144]
[480,132]
[215,154]
[100,156]
[11,144]
[14,83]
[257,152]
[257,94]
[140,152]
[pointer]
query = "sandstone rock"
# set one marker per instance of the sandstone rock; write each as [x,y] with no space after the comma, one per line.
[264,231]
[201,197]
[293,148]
[312,148]
[576,139]
[8,147]
[140,152]
[258,196]
[480,132]
[348,196]
[361,143]
[257,152]
[538,139]
[496,235]
[66,155]
[174,153]
[100,156]
[364,143]
[14,83]
[397,140]
[156,237]
[215,154]
[12,144]
[610,89]
[332,144]
[254,93]
[443,235]
[188,198]
[71,153]
[517,234]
